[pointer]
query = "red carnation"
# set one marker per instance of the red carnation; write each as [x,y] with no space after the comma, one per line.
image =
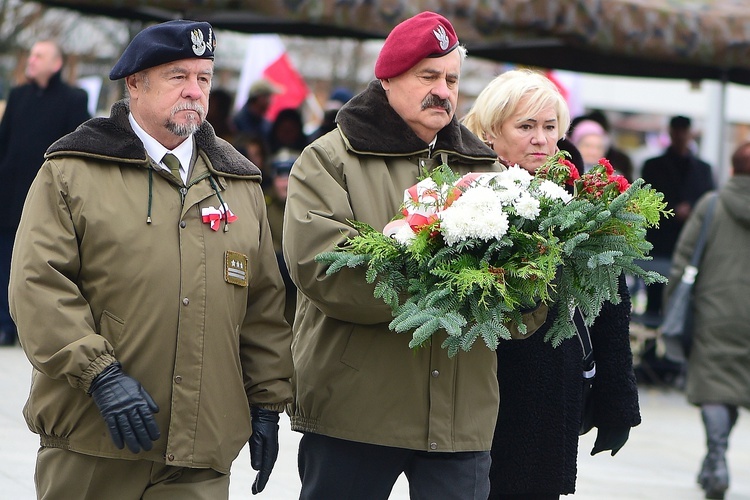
[572,172]
[622,183]
[607,166]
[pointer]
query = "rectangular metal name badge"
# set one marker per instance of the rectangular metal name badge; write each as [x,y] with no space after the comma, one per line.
[235,268]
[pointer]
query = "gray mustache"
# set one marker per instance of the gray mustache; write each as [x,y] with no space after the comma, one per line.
[433,100]
[191,106]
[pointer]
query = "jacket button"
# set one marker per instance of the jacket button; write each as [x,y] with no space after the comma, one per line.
[186,301]
[170,457]
[178,379]
[183,224]
[435,373]
[433,446]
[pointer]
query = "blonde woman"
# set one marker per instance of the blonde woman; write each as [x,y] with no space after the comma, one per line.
[521,115]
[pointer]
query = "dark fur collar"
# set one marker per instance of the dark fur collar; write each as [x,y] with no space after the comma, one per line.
[113,138]
[371,125]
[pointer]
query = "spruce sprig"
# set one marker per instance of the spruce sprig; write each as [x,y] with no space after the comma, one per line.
[572,255]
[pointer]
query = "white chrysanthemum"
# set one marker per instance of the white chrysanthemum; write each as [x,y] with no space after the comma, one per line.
[508,191]
[405,235]
[486,178]
[527,206]
[550,190]
[478,213]
[517,175]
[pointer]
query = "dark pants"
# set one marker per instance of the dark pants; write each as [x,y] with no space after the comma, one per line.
[336,468]
[7,328]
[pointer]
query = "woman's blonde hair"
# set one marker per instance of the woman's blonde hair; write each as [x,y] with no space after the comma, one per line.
[499,100]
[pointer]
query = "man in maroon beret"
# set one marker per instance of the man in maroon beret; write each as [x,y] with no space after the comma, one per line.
[371,408]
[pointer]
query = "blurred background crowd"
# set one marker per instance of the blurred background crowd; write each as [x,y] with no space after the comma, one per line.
[274,94]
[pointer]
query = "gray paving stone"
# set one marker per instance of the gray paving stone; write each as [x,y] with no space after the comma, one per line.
[659,462]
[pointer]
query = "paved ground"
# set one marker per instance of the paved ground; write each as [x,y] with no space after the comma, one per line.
[659,461]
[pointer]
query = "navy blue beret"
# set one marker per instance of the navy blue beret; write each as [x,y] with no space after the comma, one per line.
[164,43]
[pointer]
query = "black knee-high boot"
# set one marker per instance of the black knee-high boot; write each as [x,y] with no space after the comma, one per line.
[718,420]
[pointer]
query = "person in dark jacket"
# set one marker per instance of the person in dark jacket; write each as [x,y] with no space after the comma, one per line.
[37,114]
[251,118]
[683,178]
[718,365]
[522,116]
[288,131]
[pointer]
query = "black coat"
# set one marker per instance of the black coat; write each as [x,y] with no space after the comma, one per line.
[34,118]
[535,446]
[680,178]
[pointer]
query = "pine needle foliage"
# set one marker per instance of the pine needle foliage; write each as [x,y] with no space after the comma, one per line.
[571,253]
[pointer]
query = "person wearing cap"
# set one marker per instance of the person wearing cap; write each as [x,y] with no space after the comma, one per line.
[276,194]
[251,118]
[619,159]
[146,292]
[368,406]
[592,141]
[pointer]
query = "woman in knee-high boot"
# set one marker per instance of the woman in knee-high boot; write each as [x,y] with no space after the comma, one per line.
[718,365]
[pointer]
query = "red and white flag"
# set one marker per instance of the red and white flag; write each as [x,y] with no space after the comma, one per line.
[266,57]
[569,85]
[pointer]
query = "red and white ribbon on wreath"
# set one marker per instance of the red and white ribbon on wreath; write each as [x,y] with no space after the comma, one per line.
[422,201]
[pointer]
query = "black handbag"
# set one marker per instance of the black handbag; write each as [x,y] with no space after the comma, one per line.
[588,374]
[676,329]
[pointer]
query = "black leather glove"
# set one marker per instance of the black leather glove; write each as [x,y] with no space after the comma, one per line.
[126,407]
[264,445]
[610,438]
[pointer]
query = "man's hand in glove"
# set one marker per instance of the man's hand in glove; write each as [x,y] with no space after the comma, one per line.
[610,438]
[126,407]
[264,445]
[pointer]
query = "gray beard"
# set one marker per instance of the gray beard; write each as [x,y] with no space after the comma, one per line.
[186,129]
[182,129]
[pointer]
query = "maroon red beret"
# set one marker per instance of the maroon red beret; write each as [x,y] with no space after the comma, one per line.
[424,35]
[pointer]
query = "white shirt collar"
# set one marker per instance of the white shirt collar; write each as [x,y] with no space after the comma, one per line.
[183,152]
[432,145]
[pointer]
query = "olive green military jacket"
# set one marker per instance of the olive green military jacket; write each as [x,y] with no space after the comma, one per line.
[114,261]
[354,378]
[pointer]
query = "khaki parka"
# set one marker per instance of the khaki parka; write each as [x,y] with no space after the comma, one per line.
[112,261]
[718,367]
[354,378]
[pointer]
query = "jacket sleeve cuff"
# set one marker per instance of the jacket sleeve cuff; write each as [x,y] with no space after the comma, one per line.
[533,319]
[95,368]
[277,407]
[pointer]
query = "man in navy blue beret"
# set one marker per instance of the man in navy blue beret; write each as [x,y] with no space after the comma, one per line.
[146,292]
